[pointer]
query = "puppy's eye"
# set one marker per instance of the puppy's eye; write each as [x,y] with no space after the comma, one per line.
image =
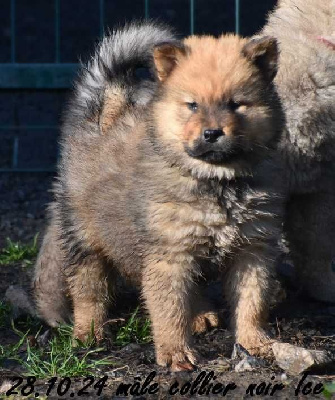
[192,106]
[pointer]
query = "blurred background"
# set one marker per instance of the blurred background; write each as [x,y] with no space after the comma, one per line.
[41,42]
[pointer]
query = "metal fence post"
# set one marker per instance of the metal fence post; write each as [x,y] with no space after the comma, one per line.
[192,16]
[12,31]
[237,17]
[146,9]
[57,31]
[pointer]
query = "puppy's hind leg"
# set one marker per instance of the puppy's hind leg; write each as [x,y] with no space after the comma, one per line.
[49,283]
[91,285]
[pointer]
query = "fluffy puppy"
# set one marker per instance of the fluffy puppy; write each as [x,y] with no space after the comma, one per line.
[153,188]
[305,30]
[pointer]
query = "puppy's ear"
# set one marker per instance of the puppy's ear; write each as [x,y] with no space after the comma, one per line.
[166,57]
[263,52]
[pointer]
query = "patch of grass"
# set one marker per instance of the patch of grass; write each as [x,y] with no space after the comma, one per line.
[15,251]
[5,311]
[137,329]
[329,390]
[58,358]
[11,352]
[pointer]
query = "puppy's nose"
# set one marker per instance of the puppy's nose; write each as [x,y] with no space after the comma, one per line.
[212,135]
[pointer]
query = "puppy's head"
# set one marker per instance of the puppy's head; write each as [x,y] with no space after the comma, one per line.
[216,112]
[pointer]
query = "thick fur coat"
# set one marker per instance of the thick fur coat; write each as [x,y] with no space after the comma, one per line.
[155,179]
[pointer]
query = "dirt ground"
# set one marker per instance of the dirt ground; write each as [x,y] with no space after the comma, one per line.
[296,320]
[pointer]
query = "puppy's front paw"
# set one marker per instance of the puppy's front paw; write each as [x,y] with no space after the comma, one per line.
[184,359]
[257,342]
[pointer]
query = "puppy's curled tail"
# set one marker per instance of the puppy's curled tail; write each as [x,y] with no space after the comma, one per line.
[108,82]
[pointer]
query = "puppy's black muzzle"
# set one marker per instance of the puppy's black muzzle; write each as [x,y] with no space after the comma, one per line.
[213,135]
[215,147]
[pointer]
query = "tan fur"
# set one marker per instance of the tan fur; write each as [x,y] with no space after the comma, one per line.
[114,103]
[246,289]
[144,205]
[91,289]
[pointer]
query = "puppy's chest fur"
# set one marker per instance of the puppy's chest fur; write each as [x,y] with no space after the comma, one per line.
[206,218]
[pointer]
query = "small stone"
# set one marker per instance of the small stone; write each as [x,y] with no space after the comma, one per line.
[295,360]
[249,364]
[283,377]
[239,352]
[131,348]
